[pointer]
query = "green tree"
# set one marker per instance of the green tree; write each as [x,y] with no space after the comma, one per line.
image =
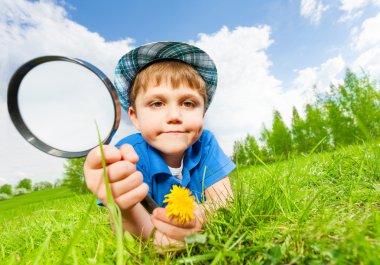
[265,151]
[238,155]
[58,183]
[25,183]
[74,176]
[278,140]
[360,99]
[341,124]
[298,131]
[316,129]
[6,189]
[42,185]
[245,151]
[252,149]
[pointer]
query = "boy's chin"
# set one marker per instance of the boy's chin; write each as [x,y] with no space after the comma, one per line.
[173,150]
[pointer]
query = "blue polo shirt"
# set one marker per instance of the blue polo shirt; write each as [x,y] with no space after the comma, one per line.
[204,164]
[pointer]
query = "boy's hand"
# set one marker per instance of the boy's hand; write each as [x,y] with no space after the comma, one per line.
[126,183]
[172,233]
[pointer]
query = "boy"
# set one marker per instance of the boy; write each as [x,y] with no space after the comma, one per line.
[166,88]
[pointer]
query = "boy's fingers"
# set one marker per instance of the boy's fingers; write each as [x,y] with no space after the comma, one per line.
[171,230]
[94,179]
[162,241]
[132,197]
[160,214]
[120,170]
[119,188]
[94,157]
[129,183]
[128,153]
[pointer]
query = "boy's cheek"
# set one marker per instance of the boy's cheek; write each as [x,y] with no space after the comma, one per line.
[196,120]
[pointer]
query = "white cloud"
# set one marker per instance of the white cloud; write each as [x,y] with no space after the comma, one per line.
[28,30]
[368,34]
[366,42]
[247,93]
[32,29]
[321,77]
[369,61]
[313,10]
[353,9]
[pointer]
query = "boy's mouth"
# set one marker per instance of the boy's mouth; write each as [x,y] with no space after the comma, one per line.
[174,132]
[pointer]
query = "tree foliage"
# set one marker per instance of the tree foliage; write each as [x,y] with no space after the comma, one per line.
[247,151]
[24,184]
[21,191]
[350,113]
[74,176]
[278,140]
[316,129]
[341,123]
[359,98]
[6,189]
[42,185]
[299,133]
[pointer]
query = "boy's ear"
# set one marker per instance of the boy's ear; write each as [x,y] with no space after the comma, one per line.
[133,116]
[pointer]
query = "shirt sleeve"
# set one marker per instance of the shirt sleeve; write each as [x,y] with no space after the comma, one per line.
[217,164]
[140,148]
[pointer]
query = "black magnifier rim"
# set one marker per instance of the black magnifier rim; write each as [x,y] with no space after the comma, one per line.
[19,123]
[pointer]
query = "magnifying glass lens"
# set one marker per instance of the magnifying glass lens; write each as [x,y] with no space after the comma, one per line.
[60,103]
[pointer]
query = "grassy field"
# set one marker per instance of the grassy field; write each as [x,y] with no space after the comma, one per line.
[317,209]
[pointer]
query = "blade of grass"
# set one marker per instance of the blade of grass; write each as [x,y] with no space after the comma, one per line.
[317,145]
[267,169]
[41,250]
[77,232]
[114,211]
[308,207]
[112,206]
[198,258]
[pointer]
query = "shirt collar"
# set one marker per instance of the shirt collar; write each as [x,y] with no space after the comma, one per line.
[156,162]
[192,155]
[191,159]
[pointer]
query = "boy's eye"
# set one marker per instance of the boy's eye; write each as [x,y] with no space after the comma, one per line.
[156,104]
[188,104]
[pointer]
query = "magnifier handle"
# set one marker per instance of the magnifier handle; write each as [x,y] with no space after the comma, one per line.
[149,204]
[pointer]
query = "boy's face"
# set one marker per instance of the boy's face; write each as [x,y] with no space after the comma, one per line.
[169,119]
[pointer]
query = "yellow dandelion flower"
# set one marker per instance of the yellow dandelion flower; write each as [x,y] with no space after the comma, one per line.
[180,204]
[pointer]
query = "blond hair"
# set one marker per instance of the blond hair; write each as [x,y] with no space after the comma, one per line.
[173,72]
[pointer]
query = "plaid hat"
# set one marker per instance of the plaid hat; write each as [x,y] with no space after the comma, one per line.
[135,60]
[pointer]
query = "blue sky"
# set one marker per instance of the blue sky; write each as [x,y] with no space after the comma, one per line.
[269,54]
[149,21]
[298,42]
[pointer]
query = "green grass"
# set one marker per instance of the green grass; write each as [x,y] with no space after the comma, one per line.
[321,209]
[35,197]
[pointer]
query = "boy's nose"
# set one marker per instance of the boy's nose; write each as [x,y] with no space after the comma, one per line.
[174,115]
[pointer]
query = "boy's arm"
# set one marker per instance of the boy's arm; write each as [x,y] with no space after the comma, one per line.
[126,183]
[219,193]
[136,220]
[217,196]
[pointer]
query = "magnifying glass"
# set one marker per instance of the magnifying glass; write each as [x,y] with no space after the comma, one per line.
[57,103]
